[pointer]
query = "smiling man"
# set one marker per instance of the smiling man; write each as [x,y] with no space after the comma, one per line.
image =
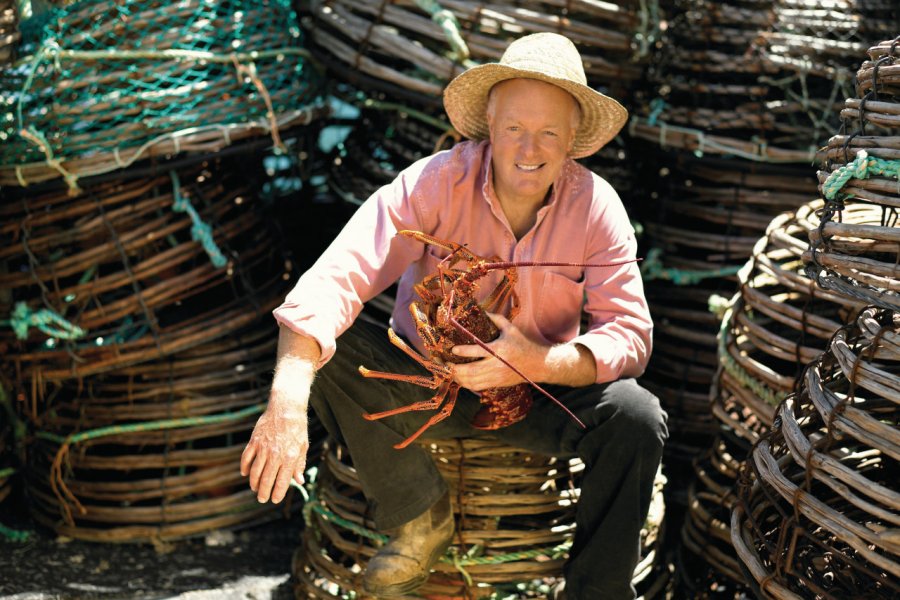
[513,191]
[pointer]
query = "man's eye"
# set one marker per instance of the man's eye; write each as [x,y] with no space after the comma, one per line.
[550,133]
[512,128]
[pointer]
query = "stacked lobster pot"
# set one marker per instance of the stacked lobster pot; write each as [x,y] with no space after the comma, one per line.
[813,48]
[102,90]
[400,54]
[721,94]
[137,340]
[778,322]
[140,349]
[717,185]
[852,258]
[514,516]
[818,513]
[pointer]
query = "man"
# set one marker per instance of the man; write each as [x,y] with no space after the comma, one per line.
[513,191]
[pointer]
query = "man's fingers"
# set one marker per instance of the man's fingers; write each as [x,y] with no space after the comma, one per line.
[470,351]
[282,483]
[247,458]
[256,470]
[267,481]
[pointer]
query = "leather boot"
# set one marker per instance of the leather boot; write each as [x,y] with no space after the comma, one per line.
[403,564]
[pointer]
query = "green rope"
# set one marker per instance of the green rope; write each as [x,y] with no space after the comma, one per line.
[861,167]
[652,268]
[447,21]
[45,319]
[4,473]
[763,391]
[452,557]
[759,153]
[151,426]
[200,231]
[393,106]
[14,535]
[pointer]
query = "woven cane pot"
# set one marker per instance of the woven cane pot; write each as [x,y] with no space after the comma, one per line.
[411,50]
[515,520]
[818,509]
[131,271]
[854,248]
[103,88]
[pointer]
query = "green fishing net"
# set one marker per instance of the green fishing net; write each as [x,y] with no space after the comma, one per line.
[100,84]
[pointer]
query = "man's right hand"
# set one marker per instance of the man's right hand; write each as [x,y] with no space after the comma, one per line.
[276,452]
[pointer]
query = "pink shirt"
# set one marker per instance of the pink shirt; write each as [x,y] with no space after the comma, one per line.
[450,196]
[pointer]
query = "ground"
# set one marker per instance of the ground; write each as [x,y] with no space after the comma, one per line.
[253,563]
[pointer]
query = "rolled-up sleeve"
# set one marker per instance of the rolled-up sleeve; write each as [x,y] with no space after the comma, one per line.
[363,260]
[620,330]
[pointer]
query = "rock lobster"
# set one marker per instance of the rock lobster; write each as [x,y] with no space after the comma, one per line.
[448,315]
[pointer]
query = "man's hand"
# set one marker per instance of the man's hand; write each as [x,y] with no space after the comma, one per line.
[276,452]
[525,355]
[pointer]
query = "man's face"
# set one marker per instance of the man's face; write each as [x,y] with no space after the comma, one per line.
[532,131]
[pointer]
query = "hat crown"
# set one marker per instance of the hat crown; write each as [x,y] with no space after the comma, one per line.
[550,54]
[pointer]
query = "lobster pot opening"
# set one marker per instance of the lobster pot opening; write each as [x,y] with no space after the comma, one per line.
[820,500]
[410,51]
[515,518]
[147,78]
[779,322]
[706,562]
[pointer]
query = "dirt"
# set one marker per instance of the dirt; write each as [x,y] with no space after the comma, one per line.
[254,563]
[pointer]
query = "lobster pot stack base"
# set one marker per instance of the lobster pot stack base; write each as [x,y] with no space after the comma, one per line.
[515,518]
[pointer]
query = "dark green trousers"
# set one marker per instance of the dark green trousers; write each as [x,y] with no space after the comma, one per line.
[621,449]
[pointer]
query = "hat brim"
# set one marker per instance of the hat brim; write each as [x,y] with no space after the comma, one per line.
[465,100]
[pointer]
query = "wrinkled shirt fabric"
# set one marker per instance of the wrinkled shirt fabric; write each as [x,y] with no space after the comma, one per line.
[449,195]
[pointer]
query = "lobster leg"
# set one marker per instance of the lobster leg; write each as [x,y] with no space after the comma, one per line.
[436,418]
[430,404]
[420,380]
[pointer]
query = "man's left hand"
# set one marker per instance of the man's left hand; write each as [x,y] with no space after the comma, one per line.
[513,346]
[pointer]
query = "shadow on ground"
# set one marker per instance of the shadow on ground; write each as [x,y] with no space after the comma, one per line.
[253,563]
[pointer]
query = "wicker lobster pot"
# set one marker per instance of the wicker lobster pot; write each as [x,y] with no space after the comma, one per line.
[151,452]
[515,519]
[105,88]
[363,162]
[141,390]
[855,250]
[410,49]
[710,85]
[813,46]
[819,511]
[779,322]
[706,565]
[127,271]
[702,228]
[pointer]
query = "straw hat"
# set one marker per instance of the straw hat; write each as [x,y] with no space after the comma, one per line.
[546,57]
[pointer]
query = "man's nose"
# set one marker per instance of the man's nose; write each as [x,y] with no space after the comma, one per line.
[529,144]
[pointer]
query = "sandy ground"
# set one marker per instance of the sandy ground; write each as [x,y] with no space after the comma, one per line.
[253,563]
